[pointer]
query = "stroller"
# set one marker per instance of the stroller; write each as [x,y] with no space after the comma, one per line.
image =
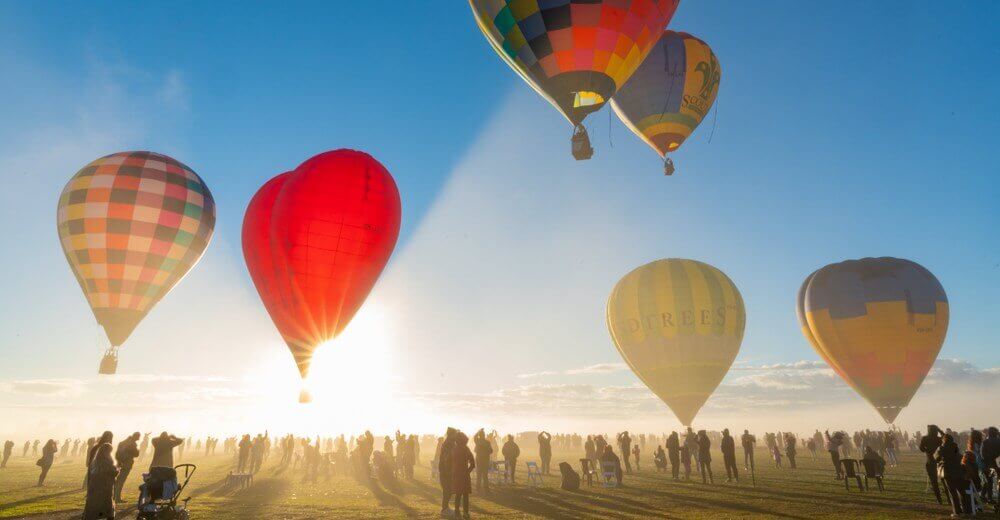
[160,491]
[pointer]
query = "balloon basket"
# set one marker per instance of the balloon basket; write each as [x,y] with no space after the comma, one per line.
[305,397]
[109,363]
[580,141]
[668,166]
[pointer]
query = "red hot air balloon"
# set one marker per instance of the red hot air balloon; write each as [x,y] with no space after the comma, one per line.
[315,241]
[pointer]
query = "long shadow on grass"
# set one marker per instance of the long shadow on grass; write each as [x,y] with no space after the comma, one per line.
[714,502]
[433,495]
[40,498]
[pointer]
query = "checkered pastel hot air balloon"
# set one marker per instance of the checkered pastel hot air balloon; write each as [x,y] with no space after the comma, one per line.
[132,224]
[679,325]
[879,323]
[670,93]
[575,53]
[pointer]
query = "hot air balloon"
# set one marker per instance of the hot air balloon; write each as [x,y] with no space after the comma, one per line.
[879,323]
[670,93]
[576,54]
[132,224]
[678,324]
[315,241]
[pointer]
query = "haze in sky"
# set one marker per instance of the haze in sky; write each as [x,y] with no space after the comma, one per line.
[839,133]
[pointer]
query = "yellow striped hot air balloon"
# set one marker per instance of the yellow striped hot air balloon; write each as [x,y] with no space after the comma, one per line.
[678,324]
[879,323]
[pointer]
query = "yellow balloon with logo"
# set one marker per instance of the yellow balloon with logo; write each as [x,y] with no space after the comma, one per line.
[678,324]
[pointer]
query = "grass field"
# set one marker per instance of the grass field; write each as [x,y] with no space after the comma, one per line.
[807,492]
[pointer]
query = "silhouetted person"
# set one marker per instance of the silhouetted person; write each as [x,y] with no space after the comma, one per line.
[929,445]
[484,452]
[27,446]
[674,454]
[8,448]
[990,452]
[686,460]
[545,450]
[144,447]
[445,470]
[101,475]
[625,445]
[609,458]
[833,444]
[45,462]
[126,454]
[790,449]
[34,447]
[590,449]
[92,445]
[728,446]
[950,459]
[705,456]
[462,464]
[511,451]
[660,459]
[748,442]
[243,456]
[163,450]
[570,478]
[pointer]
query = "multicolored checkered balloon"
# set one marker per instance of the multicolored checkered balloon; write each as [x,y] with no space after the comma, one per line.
[132,224]
[575,53]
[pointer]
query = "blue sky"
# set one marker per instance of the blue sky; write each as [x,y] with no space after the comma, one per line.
[843,130]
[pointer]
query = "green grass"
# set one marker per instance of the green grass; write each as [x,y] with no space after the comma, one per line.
[807,492]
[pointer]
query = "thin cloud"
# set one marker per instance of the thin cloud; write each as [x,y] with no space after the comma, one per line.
[600,368]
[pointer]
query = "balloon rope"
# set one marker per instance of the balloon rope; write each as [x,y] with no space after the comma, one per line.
[672,75]
[715,120]
[611,143]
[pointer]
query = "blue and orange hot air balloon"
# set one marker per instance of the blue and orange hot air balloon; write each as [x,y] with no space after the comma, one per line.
[132,224]
[879,323]
[574,53]
[670,93]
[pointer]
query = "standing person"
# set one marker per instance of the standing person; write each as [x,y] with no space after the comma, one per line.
[590,450]
[34,447]
[625,445]
[790,449]
[92,445]
[483,453]
[45,462]
[748,442]
[728,445]
[691,442]
[144,447]
[8,448]
[950,459]
[100,484]
[27,446]
[444,470]
[163,450]
[929,445]
[545,450]
[833,444]
[511,451]
[635,455]
[243,456]
[811,444]
[990,452]
[705,456]
[462,464]
[126,453]
[674,454]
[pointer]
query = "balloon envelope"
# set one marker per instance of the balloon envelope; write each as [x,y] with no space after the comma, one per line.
[132,224]
[575,54]
[678,324]
[879,323]
[316,240]
[671,92]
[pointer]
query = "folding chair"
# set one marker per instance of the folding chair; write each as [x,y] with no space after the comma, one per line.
[608,471]
[587,470]
[851,471]
[974,499]
[498,472]
[534,474]
[874,470]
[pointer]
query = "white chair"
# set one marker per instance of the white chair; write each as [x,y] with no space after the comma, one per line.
[974,499]
[534,474]
[498,472]
[609,474]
